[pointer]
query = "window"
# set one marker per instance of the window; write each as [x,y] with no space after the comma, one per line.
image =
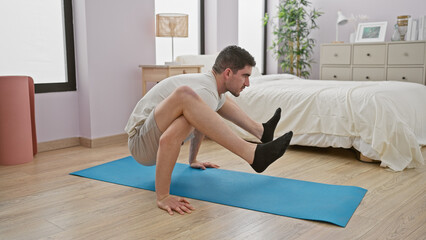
[37,40]
[182,46]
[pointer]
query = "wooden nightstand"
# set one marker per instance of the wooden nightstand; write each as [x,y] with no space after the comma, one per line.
[156,73]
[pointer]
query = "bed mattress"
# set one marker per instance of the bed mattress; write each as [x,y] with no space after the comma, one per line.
[383,120]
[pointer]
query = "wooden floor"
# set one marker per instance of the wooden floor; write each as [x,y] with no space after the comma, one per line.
[40,200]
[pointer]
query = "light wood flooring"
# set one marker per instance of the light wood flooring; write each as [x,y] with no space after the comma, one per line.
[40,200]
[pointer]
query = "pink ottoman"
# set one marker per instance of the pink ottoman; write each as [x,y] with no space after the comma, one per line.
[18,141]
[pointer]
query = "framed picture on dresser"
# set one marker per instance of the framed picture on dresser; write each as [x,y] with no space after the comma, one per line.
[371,32]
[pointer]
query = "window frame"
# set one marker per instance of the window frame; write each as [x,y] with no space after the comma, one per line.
[202,30]
[265,38]
[70,85]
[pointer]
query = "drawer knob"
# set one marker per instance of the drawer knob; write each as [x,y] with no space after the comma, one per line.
[403,78]
[184,71]
[336,55]
[334,76]
[368,54]
[406,54]
[367,77]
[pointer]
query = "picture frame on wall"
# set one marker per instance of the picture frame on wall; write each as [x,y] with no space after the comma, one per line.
[371,32]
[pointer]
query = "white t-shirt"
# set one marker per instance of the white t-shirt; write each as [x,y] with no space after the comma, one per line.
[204,84]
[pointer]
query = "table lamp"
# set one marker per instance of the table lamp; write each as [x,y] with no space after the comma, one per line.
[172,25]
[341,20]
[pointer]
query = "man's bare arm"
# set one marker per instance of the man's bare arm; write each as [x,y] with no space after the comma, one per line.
[193,152]
[195,146]
[232,112]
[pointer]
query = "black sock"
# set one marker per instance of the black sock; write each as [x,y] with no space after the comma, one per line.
[267,153]
[269,127]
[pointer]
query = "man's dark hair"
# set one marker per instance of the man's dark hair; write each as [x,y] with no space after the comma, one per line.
[233,57]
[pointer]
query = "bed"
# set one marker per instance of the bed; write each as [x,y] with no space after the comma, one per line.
[384,121]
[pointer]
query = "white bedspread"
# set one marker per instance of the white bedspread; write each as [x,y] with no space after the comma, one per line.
[383,120]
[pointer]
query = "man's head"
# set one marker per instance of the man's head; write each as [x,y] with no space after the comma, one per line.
[233,57]
[233,65]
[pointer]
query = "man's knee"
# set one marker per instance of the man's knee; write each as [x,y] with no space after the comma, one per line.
[176,133]
[185,91]
[168,138]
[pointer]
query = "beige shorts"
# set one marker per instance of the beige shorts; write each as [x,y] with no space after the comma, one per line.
[144,144]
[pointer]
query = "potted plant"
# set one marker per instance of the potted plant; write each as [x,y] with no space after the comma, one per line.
[292,46]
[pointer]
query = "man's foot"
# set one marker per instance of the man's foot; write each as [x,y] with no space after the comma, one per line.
[269,127]
[266,153]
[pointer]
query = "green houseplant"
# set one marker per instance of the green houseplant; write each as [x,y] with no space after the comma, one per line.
[292,46]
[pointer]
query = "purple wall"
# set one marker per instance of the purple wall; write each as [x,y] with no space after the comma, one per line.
[112,38]
[376,10]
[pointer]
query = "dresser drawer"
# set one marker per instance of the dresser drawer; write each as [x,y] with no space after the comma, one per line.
[406,74]
[335,54]
[177,71]
[368,74]
[370,54]
[411,53]
[329,73]
[154,74]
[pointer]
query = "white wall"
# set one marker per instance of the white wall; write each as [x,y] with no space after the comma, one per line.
[221,20]
[112,37]
[227,31]
[271,63]
[250,28]
[210,29]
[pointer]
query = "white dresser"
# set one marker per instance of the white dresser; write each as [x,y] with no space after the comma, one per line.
[392,61]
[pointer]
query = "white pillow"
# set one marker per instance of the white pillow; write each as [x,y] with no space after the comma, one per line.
[206,60]
[255,72]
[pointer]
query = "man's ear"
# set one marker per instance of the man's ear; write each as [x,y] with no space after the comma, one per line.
[227,72]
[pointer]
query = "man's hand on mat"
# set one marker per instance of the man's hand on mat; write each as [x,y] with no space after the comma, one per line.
[172,203]
[204,165]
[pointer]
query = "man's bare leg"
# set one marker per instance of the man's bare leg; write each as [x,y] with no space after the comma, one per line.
[263,131]
[185,102]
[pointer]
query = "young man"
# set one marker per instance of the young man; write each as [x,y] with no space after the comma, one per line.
[187,103]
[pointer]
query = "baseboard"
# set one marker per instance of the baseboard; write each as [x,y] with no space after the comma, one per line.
[58,144]
[99,142]
[80,141]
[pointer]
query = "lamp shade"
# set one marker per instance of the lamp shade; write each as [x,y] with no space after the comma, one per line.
[172,25]
[341,19]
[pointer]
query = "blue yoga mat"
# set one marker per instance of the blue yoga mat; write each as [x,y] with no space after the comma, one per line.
[287,197]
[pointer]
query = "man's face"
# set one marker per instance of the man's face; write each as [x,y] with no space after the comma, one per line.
[238,81]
